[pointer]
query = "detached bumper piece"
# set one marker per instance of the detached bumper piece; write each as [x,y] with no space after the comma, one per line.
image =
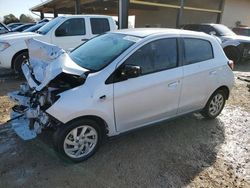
[21,126]
[27,119]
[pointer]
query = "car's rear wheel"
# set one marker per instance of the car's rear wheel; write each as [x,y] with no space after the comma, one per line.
[233,54]
[78,140]
[18,61]
[214,105]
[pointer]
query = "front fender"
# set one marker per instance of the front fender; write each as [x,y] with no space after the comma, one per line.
[81,101]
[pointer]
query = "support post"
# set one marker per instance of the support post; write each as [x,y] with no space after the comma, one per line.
[41,15]
[180,14]
[77,7]
[123,14]
[55,13]
[221,8]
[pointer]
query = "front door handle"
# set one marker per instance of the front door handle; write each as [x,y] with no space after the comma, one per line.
[213,72]
[174,84]
[84,40]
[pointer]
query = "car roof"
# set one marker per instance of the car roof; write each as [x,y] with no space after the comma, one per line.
[145,32]
[85,15]
[203,24]
[241,28]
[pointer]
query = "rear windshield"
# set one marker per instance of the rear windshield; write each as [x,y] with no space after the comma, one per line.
[223,30]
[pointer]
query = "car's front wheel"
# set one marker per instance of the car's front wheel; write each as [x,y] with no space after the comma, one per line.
[214,105]
[78,140]
[18,61]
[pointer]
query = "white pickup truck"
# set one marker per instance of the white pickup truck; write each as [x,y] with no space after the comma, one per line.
[66,32]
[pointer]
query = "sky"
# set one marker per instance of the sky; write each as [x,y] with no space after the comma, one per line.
[17,7]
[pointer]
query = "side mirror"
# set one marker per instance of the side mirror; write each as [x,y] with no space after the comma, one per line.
[60,32]
[212,33]
[130,71]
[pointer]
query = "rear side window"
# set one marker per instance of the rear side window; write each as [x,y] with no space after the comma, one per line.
[71,27]
[197,50]
[99,25]
[155,56]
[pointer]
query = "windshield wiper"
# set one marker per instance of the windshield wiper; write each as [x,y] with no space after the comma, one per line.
[39,32]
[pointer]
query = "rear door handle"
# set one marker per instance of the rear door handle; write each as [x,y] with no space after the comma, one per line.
[213,72]
[102,97]
[174,84]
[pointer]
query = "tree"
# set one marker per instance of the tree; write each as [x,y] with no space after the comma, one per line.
[10,18]
[26,18]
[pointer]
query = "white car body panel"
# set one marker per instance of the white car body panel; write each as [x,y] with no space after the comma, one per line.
[47,61]
[17,40]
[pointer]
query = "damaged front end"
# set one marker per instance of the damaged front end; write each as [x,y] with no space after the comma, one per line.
[49,72]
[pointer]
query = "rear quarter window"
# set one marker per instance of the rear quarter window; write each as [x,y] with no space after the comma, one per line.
[197,50]
[99,25]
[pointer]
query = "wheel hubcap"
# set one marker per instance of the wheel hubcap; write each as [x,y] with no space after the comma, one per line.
[216,104]
[80,141]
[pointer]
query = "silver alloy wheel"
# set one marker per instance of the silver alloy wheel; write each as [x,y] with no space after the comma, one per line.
[80,141]
[216,104]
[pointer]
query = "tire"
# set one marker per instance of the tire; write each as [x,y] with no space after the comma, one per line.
[18,61]
[233,53]
[214,105]
[78,140]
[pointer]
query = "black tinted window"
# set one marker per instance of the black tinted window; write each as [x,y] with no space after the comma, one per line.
[207,29]
[155,56]
[197,50]
[191,27]
[71,27]
[99,25]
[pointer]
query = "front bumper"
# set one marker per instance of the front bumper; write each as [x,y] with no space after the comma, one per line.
[6,58]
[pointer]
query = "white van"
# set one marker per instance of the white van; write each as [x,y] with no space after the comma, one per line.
[66,32]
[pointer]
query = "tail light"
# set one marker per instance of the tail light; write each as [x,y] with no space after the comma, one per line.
[231,64]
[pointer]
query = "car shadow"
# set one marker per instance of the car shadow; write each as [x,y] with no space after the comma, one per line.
[171,154]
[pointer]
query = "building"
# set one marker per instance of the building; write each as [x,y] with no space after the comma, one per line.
[156,13]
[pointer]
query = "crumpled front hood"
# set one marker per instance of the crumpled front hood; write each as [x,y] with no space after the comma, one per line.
[46,61]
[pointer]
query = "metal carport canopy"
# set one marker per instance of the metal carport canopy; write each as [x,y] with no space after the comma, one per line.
[122,8]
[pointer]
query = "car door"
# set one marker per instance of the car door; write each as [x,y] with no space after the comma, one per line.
[154,95]
[99,26]
[199,74]
[70,34]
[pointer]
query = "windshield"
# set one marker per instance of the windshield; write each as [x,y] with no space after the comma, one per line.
[102,50]
[48,26]
[34,28]
[223,30]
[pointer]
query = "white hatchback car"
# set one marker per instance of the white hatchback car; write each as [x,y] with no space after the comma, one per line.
[117,82]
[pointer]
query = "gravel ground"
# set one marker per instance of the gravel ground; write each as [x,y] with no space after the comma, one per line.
[186,152]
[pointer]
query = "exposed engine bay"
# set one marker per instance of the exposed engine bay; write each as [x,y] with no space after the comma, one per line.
[49,72]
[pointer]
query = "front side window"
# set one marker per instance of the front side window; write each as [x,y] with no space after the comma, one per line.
[71,27]
[155,56]
[197,50]
[99,25]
